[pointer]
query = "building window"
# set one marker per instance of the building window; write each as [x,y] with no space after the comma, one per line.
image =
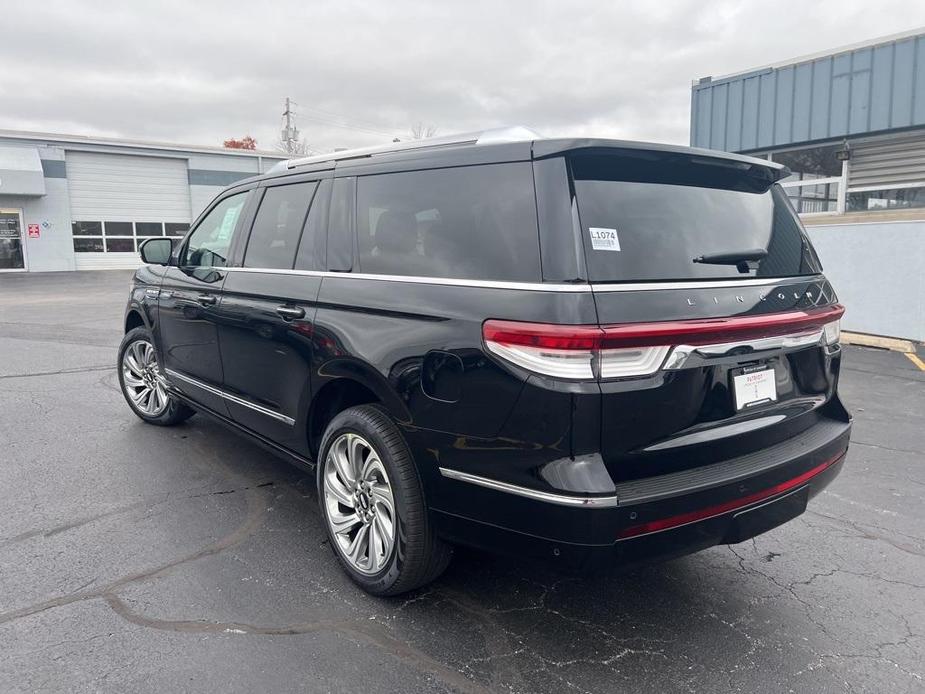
[88,245]
[816,178]
[171,229]
[149,228]
[120,245]
[811,162]
[119,229]
[87,228]
[119,237]
[895,199]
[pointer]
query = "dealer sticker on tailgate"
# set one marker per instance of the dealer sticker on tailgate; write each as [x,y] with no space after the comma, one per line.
[754,387]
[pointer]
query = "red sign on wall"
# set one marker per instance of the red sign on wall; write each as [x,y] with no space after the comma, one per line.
[34,231]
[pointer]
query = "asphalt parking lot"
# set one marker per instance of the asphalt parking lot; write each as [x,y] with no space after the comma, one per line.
[135,558]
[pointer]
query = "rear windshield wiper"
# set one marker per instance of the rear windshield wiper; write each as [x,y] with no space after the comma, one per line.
[743,260]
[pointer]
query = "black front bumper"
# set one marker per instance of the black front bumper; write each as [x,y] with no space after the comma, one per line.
[655,518]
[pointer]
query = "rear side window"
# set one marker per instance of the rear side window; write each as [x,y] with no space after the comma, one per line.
[647,216]
[475,222]
[278,226]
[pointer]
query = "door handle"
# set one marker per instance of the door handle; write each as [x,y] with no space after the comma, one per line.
[206,299]
[290,312]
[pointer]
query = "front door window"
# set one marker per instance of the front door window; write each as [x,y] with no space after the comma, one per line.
[12,256]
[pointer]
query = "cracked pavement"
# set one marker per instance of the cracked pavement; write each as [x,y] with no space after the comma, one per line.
[134,558]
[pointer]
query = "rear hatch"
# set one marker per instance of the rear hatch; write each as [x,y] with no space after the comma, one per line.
[719,332]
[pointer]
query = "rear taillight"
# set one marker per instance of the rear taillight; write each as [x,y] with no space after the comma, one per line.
[562,351]
[583,352]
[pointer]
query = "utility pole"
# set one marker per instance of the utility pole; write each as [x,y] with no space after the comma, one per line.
[290,134]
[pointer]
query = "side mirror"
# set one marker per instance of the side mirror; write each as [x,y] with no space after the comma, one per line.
[156,251]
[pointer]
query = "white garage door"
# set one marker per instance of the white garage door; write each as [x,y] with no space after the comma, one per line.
[118,200]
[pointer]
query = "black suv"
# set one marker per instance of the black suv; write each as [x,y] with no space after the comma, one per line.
[588,350]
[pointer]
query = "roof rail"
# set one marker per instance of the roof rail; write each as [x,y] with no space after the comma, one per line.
[494,136]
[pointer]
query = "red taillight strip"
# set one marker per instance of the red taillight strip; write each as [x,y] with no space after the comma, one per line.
[655,526]
[718,330]
[544,335]
[689,332]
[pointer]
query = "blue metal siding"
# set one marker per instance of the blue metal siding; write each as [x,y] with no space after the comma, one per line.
[918,82]
[734,116]
[822,91]
[749,115]
[881,88]
[867,90]
[903,75]
[766,84]
[802,100]
[718,112]
[783,111]
[841,95]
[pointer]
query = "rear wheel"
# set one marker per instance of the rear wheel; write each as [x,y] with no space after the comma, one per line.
[373,506]
[143,384]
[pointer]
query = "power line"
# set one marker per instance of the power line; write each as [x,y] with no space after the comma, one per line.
[347,126]
[289,134]
[357,123]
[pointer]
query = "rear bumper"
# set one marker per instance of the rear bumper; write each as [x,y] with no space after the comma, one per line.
[651,519]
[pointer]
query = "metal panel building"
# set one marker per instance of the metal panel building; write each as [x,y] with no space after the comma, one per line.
[78,203]
[850,124]
[859,91]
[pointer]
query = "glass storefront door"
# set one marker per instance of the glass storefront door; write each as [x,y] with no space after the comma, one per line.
[12,244]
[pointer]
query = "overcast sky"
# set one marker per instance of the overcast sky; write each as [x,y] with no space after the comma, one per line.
[363,72]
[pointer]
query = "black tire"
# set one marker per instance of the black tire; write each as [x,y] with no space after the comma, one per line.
[418,556]
[175,411]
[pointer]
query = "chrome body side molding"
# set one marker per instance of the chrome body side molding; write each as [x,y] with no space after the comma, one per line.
[548,497]
[230,397]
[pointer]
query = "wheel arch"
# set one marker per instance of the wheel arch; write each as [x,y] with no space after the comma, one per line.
[134,319]
[348,383]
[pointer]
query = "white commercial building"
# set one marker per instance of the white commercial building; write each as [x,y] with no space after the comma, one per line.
[79,203]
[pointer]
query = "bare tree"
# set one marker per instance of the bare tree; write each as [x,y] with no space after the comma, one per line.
[294,147]
[421,130]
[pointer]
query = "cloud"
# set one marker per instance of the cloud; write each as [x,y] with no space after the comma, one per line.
[362,72]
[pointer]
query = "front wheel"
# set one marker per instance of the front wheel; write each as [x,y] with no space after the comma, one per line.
[143,384]
[373,506]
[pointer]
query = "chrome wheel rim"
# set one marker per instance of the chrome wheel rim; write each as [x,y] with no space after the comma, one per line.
[141,381]
[359,503]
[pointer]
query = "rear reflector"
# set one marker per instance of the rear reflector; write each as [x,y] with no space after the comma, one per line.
[700,514]
[583,352]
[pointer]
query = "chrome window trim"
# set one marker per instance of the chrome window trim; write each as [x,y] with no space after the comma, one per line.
[232,398]
[548,497]
[705,284]
[410,279]
[535,286]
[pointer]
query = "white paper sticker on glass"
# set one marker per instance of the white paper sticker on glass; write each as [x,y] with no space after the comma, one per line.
[604,239]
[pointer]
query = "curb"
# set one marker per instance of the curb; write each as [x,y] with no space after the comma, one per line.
[891,343]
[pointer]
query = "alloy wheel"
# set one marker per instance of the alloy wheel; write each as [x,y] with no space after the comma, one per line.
[359,503]
[141,380]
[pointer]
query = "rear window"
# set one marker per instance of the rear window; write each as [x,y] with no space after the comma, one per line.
[645,216]
[474,222]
